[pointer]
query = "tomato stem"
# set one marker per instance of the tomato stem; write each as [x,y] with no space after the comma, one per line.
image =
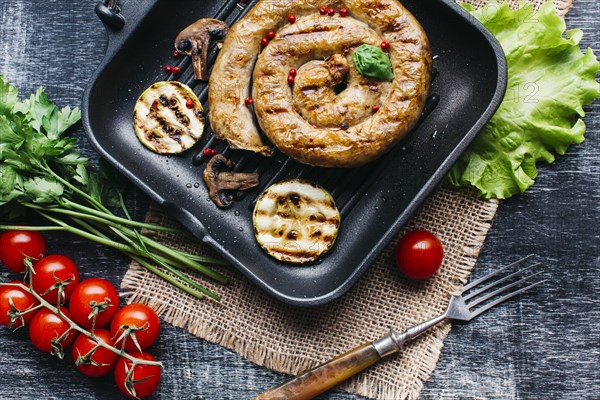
[77,328]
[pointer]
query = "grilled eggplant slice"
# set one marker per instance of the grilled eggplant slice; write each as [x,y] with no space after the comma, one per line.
[168,118]
[296,221]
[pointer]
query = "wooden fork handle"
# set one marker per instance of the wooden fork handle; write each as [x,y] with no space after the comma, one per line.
[322,378]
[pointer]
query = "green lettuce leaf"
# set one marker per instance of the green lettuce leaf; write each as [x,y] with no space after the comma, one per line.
[549,82]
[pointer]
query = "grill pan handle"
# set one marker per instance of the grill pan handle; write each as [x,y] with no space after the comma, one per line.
[110,14]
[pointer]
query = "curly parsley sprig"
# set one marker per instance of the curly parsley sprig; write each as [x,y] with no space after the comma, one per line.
[42,171]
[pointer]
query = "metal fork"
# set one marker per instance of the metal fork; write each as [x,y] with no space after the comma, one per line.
[483,292]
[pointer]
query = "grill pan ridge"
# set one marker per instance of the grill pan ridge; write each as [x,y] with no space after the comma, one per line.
[374,200]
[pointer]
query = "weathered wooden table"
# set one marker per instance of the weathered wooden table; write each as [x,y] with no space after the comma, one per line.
[543,346]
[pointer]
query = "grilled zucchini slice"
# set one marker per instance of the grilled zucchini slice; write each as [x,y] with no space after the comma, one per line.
[296,221]
[168,118]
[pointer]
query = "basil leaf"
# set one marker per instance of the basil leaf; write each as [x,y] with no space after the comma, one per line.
[372,62]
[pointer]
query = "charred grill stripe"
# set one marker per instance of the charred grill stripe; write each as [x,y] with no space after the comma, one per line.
[161,121]
[177,137]
[278,110]
[314,29]
[312,88]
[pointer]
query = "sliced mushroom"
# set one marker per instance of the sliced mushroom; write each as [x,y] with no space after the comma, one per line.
[218,179]
[195,39]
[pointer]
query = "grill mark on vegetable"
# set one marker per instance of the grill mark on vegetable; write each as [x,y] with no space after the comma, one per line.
[199,114]
[173,104]
[282,199]
[295,199]
[179,114]
[177,137]
[161,121]
[167,129]
[151,137]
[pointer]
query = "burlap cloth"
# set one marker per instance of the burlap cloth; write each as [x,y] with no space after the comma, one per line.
[290,340]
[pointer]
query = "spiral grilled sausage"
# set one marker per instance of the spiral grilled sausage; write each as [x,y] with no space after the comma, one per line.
[326,118]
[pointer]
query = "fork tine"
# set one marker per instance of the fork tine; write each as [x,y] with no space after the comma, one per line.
[501,290]
[496,283]
[495,273]
[504,298]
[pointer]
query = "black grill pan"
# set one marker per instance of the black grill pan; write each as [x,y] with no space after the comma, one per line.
[374,200]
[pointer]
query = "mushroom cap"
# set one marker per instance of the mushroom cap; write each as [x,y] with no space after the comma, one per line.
[201,30]
[218,179]
[195,39]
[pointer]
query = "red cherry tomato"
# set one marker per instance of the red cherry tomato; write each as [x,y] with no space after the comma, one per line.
[104,358]
[140,320]
[51,270]
[47,326]
[16,245]
[21,300]
[91,294]
[146,376]
[419,254]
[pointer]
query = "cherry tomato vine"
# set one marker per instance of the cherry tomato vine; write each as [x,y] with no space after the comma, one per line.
[58,342]
[42,300]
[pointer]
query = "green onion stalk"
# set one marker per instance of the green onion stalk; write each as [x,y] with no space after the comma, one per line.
[41,172]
